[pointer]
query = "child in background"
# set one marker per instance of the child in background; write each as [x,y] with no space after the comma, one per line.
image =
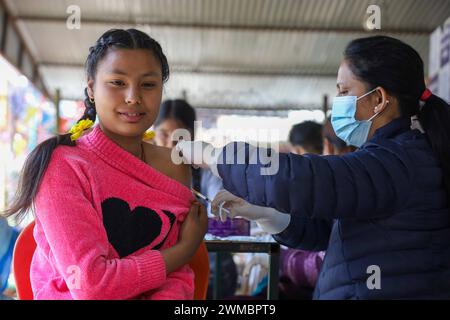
[179,114]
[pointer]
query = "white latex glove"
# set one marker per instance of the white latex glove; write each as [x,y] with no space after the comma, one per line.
[268,219]
[199,154]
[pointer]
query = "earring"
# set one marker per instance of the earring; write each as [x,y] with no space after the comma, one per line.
[91,100]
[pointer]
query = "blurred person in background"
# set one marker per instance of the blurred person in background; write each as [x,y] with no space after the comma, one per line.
[306,137]
[179,114]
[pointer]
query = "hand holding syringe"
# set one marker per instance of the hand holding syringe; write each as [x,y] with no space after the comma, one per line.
[222,211]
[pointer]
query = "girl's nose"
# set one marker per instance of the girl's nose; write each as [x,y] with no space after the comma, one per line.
[133,97]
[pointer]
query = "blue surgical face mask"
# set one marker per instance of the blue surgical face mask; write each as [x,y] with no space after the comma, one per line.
[353,132]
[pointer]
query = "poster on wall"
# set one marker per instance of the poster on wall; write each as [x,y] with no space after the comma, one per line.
[26,118]
[439,66]
[32,118]
[4,139]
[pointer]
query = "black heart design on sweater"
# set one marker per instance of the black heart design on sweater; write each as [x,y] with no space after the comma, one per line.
[130,230]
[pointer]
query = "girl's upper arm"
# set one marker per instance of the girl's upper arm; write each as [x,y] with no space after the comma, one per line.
[180,172]
[161,161]
[185,175]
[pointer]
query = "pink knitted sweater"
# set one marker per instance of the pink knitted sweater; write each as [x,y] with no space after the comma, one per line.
[102,217]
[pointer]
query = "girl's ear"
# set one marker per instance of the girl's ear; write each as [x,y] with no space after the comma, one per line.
[90,88]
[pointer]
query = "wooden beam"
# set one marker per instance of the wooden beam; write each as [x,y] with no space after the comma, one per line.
[57,101]
[20,56]
[325,106]
[4,29]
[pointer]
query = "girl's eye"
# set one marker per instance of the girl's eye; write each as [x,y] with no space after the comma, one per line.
[118,83]
[148,85]
[342,93]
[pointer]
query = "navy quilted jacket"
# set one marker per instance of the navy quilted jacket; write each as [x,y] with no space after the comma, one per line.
[382,213]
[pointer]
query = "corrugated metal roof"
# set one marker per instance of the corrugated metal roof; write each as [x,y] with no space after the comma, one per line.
[398,14]
[246,53]
[308,52]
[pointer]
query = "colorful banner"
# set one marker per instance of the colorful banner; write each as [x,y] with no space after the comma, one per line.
[26,119]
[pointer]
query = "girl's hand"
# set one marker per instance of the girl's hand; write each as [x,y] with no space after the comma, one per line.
[191,235]
[194,227]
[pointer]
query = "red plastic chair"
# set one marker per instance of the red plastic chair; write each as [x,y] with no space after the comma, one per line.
[200,265]
[23,253]
[26,245]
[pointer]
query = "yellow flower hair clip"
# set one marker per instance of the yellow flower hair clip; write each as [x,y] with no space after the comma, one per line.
[78,128]
[148,135]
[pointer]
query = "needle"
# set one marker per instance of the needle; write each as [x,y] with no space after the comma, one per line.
[208,200]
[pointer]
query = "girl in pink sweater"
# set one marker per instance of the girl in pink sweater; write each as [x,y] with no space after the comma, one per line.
[115,218]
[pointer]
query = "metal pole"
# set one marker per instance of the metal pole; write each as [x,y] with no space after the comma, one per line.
[57,100]
[325,106]
[274,259]
[217,290]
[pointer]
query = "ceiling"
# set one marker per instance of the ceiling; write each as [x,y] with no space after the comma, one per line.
[245,54]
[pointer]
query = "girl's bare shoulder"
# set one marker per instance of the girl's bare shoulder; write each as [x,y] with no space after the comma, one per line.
[160,158]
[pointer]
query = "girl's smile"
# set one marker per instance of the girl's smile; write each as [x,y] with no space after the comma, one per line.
[132,117]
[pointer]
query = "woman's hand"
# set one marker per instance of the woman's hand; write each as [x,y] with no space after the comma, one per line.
[237,207]
[269,219]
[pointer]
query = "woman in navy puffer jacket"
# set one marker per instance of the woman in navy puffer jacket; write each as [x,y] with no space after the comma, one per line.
[381,212]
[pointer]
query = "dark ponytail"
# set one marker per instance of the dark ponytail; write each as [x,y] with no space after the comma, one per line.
[434,116]
[398,68]
[37,161]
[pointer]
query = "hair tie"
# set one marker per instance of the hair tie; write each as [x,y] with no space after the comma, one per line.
[79,127]
[425,95]
[148,135]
